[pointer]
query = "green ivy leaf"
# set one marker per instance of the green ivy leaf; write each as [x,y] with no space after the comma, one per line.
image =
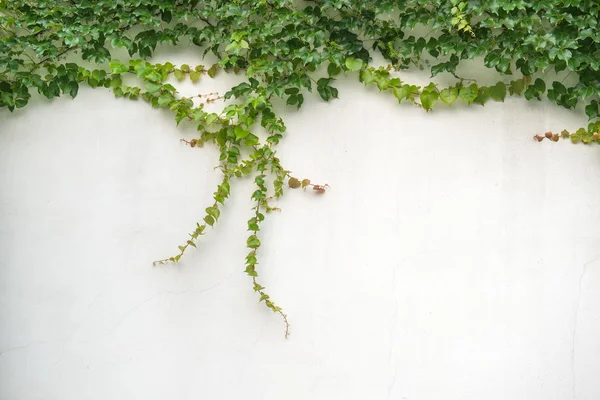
[405,92]
[483,95]
[195,76]
[469,93]
[498,91]
[367,76]
[152,87]
[429,96]
[540,85]
[592,111]
[449,95]
[517,87]
[333,69]
[253,242]
[117,67]
[213,212]
[212,71]
[165,98]
[179,74]
[209,219]
[210,118]
[251,140]
[71,88]
[354,64]
[240,133]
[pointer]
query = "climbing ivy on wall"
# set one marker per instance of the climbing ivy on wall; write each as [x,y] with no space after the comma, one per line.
[287,48]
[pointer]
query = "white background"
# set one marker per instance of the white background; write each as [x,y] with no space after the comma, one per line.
[453,257]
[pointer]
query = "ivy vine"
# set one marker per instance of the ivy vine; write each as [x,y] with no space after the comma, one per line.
[287,48]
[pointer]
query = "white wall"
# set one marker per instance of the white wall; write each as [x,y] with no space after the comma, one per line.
[453,258]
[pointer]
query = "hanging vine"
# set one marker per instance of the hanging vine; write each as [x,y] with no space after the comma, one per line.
[287,48]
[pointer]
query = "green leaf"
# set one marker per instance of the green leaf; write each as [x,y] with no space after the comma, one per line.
[253,242]
[213,70]
[179,74]
[71,88]
[539,85]
[449,95]
[354,64]
[165,98]
[240,133]
[429,96]
[194,76]
[404,92]
[263,296]
[498,91]
[210,118]
[154,76]
[517,87]
[592,111]
[325,90]
[468,93]
[251,140]
[333,69]
[483,95]
[152,87]
[209,220]
[117,67]
[367,76]
[99,75]
[213,212]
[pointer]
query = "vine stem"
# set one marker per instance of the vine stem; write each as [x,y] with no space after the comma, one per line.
[256,285]
[283,315]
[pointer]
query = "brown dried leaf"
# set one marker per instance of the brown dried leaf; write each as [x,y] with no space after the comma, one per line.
[294,183]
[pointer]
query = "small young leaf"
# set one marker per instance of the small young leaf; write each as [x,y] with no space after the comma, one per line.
[209,220]
[253,242]
[213,212]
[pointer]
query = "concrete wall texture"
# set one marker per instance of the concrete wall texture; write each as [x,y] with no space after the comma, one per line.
[453,258]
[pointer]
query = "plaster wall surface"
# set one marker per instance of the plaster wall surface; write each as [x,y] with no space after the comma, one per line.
[452,258]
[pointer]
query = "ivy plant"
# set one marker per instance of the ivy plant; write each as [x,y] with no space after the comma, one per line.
[286,49]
